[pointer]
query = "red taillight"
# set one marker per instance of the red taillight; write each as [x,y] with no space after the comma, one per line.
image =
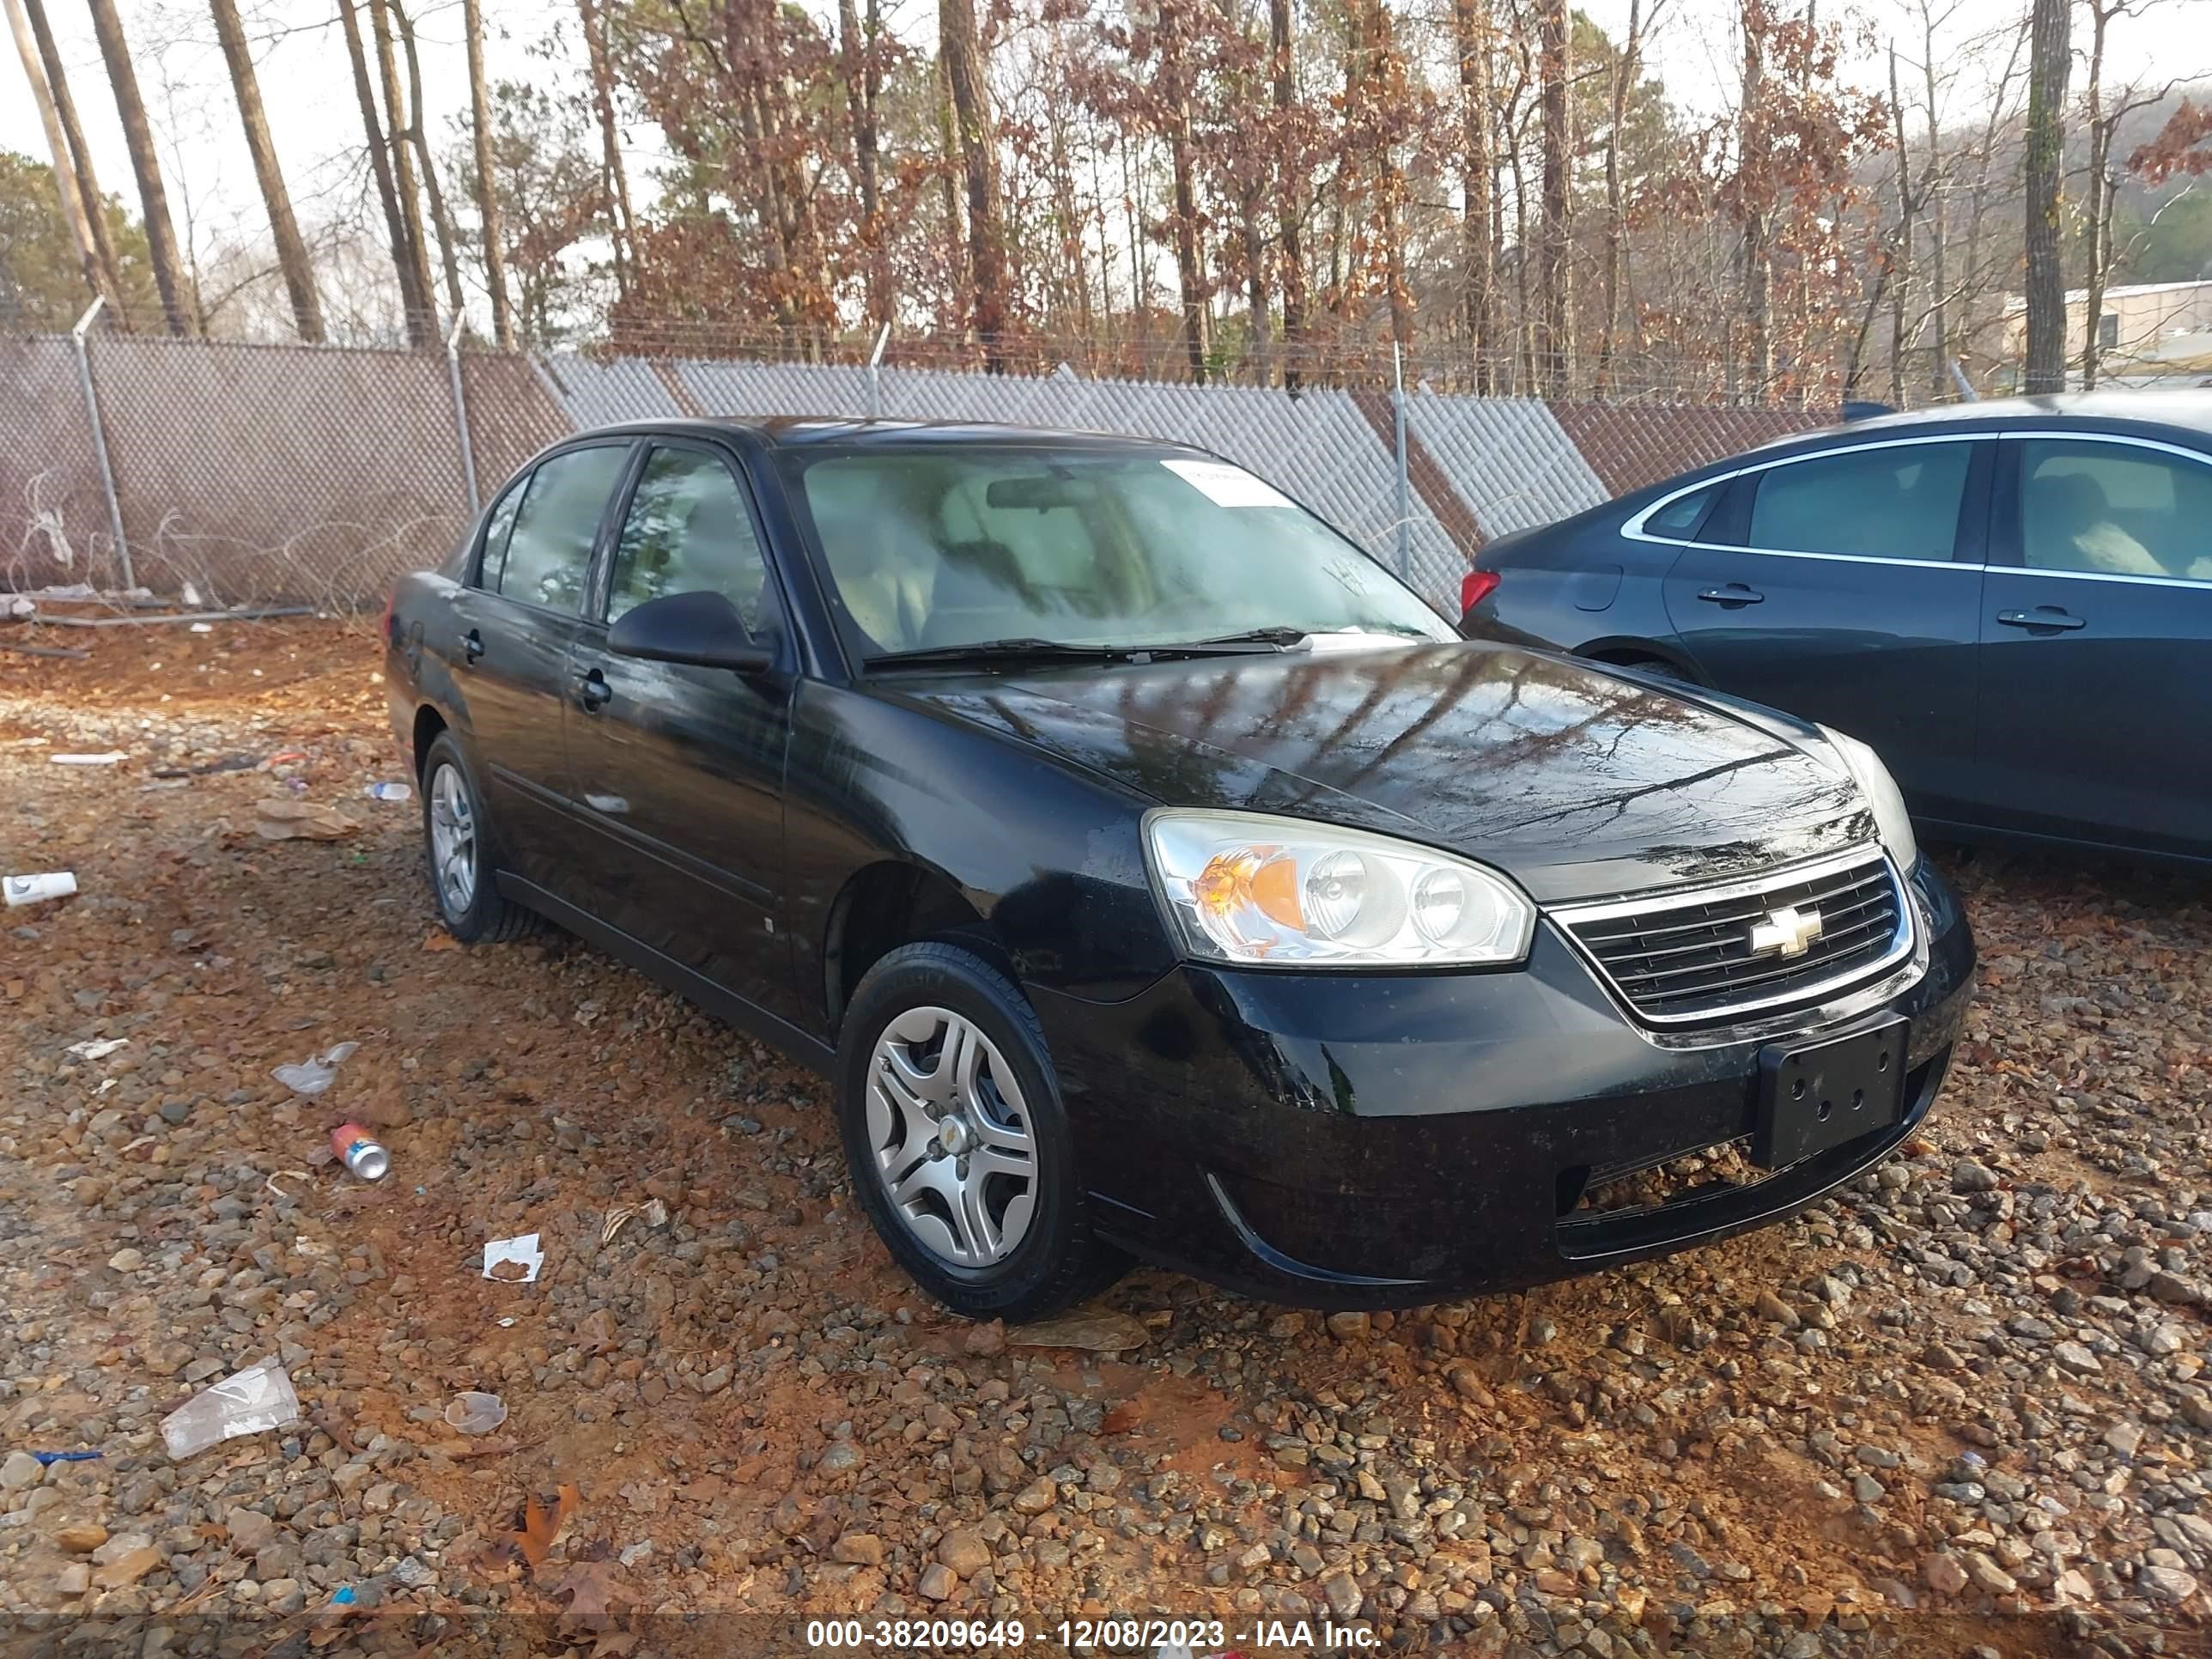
[1475,587]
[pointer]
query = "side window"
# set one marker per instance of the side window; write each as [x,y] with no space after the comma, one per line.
[688,531]
[1898,502]
[549,549]
[1678,520]
[2114,509]
[497,528]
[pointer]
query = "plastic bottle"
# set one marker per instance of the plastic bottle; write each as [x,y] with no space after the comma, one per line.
[251,1401]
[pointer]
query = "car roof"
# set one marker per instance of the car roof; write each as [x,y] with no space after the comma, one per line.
[2190,407]
[811,431]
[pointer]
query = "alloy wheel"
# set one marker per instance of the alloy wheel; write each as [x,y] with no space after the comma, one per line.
[453,841]
[952,1139]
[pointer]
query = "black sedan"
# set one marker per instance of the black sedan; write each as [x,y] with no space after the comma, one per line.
[1155,874]
[2011,602]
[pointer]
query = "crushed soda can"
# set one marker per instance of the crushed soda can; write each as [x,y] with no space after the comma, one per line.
[360,1154]
[37,890]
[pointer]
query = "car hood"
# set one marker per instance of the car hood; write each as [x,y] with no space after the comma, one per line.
[1574,780]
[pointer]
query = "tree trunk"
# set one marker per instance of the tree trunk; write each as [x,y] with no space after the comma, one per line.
[169,280]
[292,258]
[88,180]
[621,229]
[448,254]
[2049,63]
[1901,286]
[962,54]
[487,188]
[956,240]
[1556,361]
[2097,255]
[1753,181]
[414,301]
[1288,207]
[1387,82]
[1934,186]
[858,59]
[1471,27]
[1616,215]
[403,169]
[65,183]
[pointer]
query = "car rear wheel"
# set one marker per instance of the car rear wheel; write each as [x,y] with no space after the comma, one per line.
[959,1147]
[457,846]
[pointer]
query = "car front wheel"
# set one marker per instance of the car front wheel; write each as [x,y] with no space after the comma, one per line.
[959,1147]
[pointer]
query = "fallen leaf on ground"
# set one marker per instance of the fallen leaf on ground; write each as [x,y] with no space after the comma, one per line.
[542,1523]
[1098,1329]
[588,1585]
[301,820]
[440,939]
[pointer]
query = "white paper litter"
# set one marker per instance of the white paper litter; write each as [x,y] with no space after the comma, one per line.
[522,1250]
[314,1074]
[98,1049]
[37,890]
[108,759]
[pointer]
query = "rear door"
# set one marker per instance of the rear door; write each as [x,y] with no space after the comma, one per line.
[512,626]
[2096,623]
[679,770]
[1842,584]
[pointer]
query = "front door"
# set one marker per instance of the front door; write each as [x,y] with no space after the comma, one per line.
[2096,643]
[512,629]
[1841,586]
[679,770]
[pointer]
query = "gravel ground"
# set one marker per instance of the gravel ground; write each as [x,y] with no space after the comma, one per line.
[1954,1411]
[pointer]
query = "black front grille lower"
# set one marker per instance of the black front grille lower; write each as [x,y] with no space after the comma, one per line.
[1690,956]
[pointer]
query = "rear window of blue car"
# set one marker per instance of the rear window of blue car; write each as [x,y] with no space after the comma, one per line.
[1679,519]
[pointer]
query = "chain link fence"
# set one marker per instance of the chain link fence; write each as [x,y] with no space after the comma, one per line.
[257,474]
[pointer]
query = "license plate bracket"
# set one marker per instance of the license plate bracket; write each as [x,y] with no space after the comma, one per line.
[1823,1094]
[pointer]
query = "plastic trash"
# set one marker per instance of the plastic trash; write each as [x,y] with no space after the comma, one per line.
[475,1413]
[515,1261]
[98,1048]
[47,1460]
[389,791]
[314,1074]
[108,759]
[287,819]
[37,890]
[251,1401]
[360,1154]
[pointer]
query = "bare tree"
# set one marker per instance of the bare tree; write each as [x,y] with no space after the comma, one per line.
[860,59]
[1290,210]
[440,219]
[487,190]
[169,280]
[403,164]
[2050,61]
[621,229]
[72,198]
[414,296]
[961,53]
[1624,67]
[292,258]
[1555,361]
[1471,40]
[2103,184]
[88,182]
[1755,182]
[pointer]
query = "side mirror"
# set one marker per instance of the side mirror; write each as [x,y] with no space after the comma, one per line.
[702,630]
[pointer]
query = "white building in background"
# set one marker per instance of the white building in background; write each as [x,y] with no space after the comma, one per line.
[2147,332]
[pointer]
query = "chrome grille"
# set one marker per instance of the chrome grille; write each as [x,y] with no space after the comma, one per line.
[1691,954]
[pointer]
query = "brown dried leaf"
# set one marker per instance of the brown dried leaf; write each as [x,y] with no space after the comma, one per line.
[588,1585]
[542,1523]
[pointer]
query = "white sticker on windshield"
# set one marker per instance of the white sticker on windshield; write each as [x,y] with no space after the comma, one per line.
[1228,486]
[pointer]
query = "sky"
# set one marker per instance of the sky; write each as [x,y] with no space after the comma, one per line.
[307,88]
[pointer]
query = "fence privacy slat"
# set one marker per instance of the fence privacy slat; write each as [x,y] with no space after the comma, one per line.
[268,473]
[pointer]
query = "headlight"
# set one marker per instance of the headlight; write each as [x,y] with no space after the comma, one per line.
[1891,820]
[1244,887]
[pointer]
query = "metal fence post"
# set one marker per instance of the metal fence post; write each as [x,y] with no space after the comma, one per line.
[99,439]
[876,375]
[1405,478]
[461,413]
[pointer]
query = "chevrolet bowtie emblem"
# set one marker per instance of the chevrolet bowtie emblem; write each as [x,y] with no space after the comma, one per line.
[1785,932]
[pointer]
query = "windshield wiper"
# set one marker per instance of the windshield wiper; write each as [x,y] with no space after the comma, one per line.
[1025,650]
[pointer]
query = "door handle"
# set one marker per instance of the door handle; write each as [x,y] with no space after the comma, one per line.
[471,645]
[1735,593]
[593,691]
[2044,618]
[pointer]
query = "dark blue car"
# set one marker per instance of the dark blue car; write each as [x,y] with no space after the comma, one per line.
[2011,602]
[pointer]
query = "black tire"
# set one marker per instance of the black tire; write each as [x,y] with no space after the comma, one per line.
[1059,1260]
[1658,667]
[486,918]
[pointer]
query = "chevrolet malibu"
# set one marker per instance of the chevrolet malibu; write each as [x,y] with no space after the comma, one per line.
[1156,876]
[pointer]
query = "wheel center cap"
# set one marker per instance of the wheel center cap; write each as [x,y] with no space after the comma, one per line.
[955,1136]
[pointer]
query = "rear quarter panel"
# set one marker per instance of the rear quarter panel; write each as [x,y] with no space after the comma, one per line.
[1580,586]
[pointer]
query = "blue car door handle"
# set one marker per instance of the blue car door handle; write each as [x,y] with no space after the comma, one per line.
[2043,616]
[1734,594]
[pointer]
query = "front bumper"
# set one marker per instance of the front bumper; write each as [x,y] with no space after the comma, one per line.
[1391,1139]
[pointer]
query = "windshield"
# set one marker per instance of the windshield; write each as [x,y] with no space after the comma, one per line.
[930,549]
